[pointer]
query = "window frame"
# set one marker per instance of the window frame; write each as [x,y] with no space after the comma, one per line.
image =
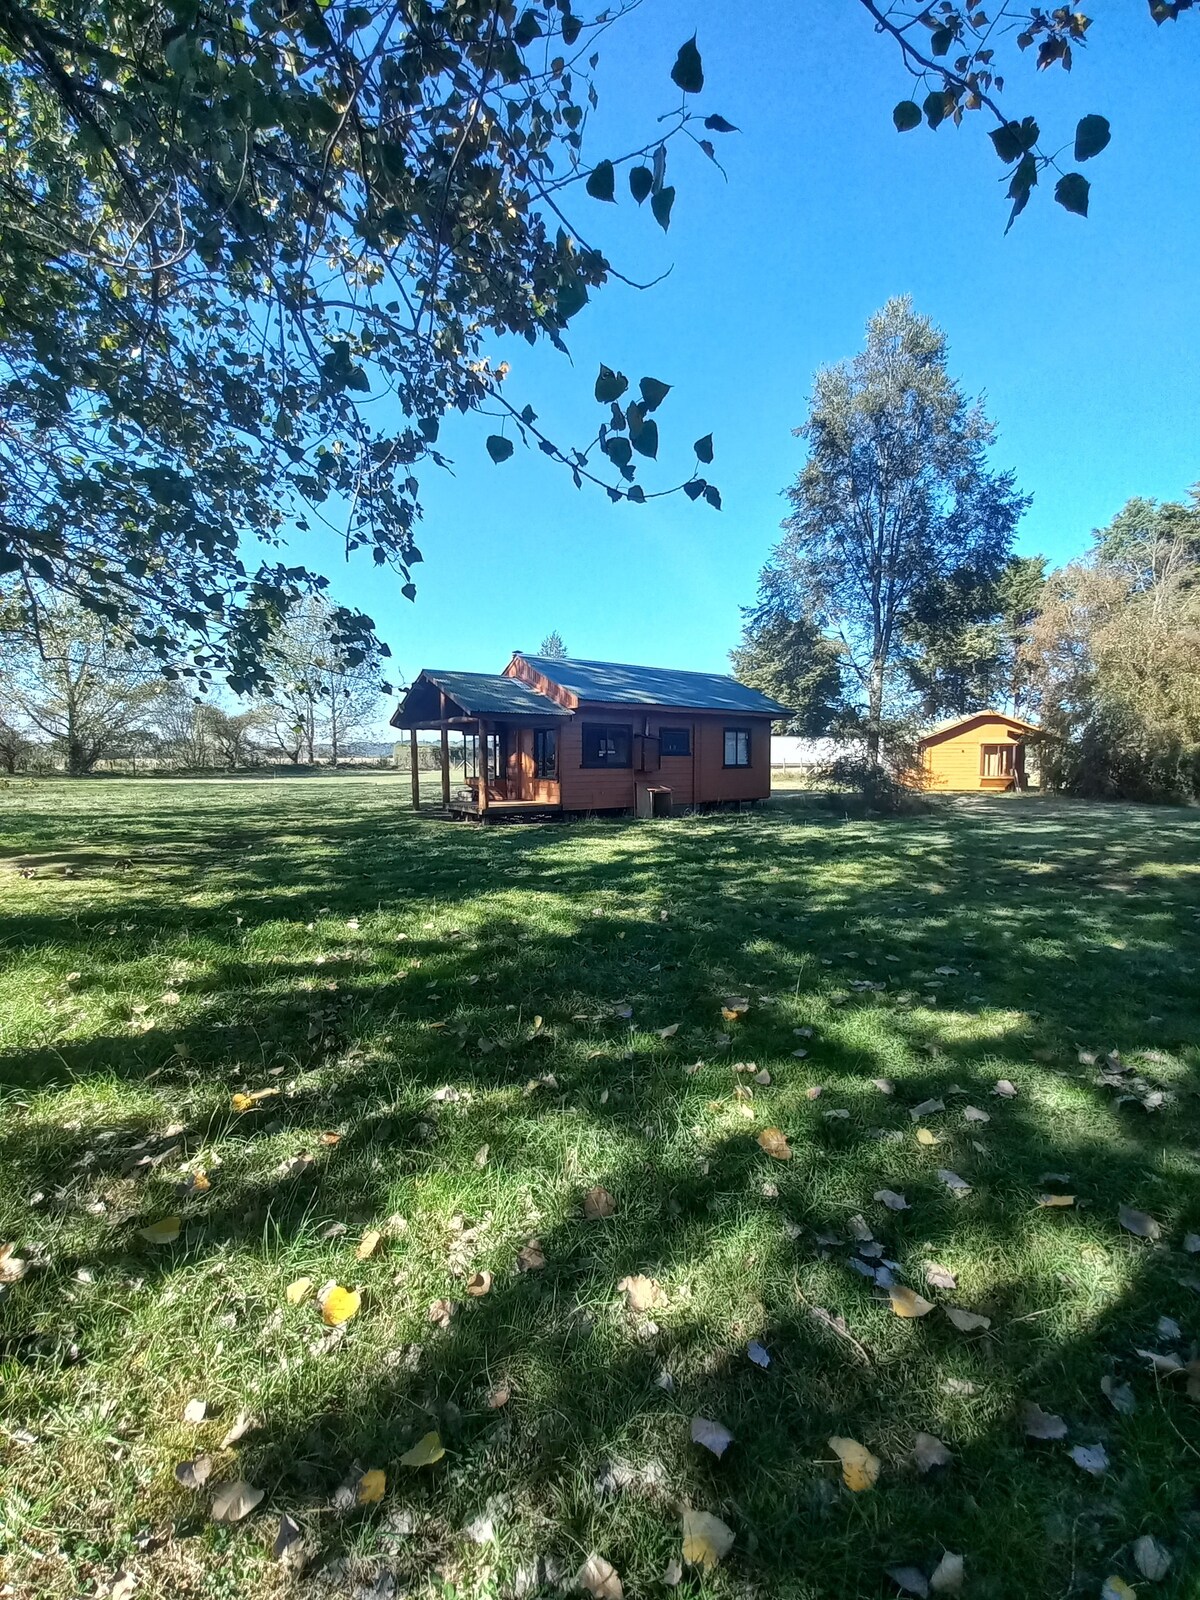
[676,733]
[738,732]
[1008,766]
[605,731]
[545,771]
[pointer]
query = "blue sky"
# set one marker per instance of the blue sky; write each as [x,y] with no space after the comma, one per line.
[1083,335]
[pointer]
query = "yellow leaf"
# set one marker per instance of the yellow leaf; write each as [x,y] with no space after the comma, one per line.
[339,1305]
[368,1244]
[164,1232]
[924,1136]
[425,1452]
[298,1291]
[775,1144]
[641,1293]
[600,1579]
[907,1302]
[370,1487]
[598,1204]
[860,1468]
[1056,1200]
[479,1285]
[242,1102]
[1117,1589]
[706,1539]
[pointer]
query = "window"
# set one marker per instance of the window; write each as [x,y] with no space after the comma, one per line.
[997,760]
[675,741]
[545,752]
[607,744]
[737,747]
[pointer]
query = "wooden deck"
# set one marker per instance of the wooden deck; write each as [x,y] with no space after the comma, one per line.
[466,807]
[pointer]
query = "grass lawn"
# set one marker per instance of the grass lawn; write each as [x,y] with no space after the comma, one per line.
[465,1031]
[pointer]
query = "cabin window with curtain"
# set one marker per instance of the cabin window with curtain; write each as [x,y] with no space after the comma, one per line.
[675,741]
[545,752]
[607,744]
[997,760]
[737,747]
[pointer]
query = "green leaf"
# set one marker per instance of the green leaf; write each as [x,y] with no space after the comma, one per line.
[572,27]
[906,115]
[637,494]
[704,448]
[654,393]
[635,417]
[695,488]
[645,440]
[601,184]
[610,385]
[618,450]
[716,124]
[661,206]
[499,448]
[572,297]
[1007,140]
[1092,134]
[935,108]
[641,181]
[940,40]
[688,71]
[1072,191]
[713,495]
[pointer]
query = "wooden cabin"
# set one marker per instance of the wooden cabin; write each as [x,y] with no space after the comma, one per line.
[559,736]
[979,752]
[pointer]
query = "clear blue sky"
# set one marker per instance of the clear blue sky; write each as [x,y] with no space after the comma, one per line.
[1083,335]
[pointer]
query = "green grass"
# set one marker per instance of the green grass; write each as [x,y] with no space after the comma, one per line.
[314,937]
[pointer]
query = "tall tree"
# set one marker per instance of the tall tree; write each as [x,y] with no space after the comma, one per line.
[553,646]
[74,681]
[895,500]
[784,654]
[324,693]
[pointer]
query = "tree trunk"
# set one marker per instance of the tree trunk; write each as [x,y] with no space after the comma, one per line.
[874,709]
[78,765]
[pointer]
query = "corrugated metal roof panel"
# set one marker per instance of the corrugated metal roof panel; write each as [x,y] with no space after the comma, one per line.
[490,694]
[615,683]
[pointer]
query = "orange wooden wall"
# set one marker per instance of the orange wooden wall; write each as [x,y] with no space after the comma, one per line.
[693,780]
[952,760]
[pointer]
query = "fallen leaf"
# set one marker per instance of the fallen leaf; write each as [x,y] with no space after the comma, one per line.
[195,1411]
[973,1114]
[368,1244]
[1138,1222]
[338,1305]
[892,1200]
[194,1474]
[929,1452]
[939,1277]
[479,1285]
[1152,1559]
[910,1580]
[296,1166]
[907,1302]
[233,1500]
[598,1204]
[669,1031]
[1168,1328]
[735,1006]
[1117,1589]
[329,1139]
[498,1397]
[1092,1458]
[427,1450]
[860,1469]
[641,1293]
[12,1268]
[164,1232]
[763,1078]
[371,1487]
[1191,1243]
[713,1436]
[298,1290]
[813,1092]
[243,1424]
[706,1539]
[673,1574]
[924,1136]
[884,1085]
[758,1354]
[480,1157]
[288,1536]
[1039,1424]
[1005,1089]
[775,1144]
[966,1321]
[947,1576]
[1055,1201]
[957,1186]
[530,1257]
[599,1578]
[926,1108]
[441,1313]
[1165,1363]
[1120,1396]
[244,1102]
[122,1587]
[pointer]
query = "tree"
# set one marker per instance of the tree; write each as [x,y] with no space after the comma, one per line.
[324,692]
[784,654]
[73,680]
[253,255]
[895,502]
[15,748]
[553,647]
[197,733]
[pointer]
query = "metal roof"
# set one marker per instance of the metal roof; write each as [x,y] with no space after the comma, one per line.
[951,723]
[614,683]
[489,694]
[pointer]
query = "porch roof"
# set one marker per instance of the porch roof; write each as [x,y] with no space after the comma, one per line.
[474,694]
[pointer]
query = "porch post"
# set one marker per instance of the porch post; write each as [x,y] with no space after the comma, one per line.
[416,776]
[445,754]
[483,768]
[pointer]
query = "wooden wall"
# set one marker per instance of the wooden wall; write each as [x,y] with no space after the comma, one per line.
[694,779]
[952,760]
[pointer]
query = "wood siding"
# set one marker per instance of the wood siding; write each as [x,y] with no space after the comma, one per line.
[695,779]
[953,760]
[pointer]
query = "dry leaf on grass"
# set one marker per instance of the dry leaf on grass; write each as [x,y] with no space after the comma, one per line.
[288,1536]
[243,1424]
[12,1268]
[1005,1089]
[296,1166]
[247,1102]
[1120,1396]
[530,1257]
[338,1305]
[195,1411]
[669,1031]
[973,1114]
[122,1587]
[1092,1458]
[498,1397]
[1039,1424]
[714,1436]
[234,1500]
[479,1285]
[860,1469]
[480,1158]
[892,1200]
[1117,1589]
[1152,1559]
[641,1293]
[441,1313]
[1138,1222]
[706,1539]
[884,1085]
[1056,1202]
[925,1109]
[298,1290]
[958,1187]
[758,1354]
[910,1580]
[164,1232]
[925,1137]
[907,1302]
[929,1452]
[368,1244]
[673,1573]
[599,1578]
[947,1576]
[735,1006]
[775,1144]
[427,1450]
[939,1277]
[371,1487]
[967,1321]
[194,1474]
[1191,1243]
[598,1204]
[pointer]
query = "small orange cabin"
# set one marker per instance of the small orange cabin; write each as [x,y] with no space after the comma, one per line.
[979,752]
[551,735]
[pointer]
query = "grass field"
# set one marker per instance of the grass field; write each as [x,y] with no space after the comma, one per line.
[465,1031]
